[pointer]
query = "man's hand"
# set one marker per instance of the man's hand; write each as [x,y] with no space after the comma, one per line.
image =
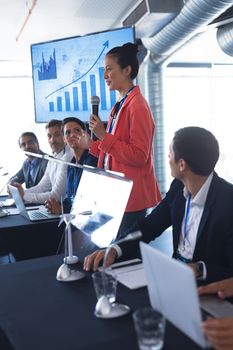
[223,289]
[93,260]
[219,332]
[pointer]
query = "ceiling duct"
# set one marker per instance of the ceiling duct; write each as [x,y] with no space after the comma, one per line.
[194,17]
[150,16]
[225,18]
[225,38]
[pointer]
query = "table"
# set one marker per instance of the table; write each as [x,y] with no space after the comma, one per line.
[37,312]
[27,240]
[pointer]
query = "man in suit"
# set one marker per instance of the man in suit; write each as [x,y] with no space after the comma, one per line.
[33,168]
[198,206]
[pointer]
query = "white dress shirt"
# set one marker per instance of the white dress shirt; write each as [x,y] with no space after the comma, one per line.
[186,246]
[53,183]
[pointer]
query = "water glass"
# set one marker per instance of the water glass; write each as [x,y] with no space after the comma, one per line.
[105,284]
[150,327]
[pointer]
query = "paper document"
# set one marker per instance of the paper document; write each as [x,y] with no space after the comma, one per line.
[130,273]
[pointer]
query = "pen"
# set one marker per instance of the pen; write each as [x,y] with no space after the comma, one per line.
[126,265]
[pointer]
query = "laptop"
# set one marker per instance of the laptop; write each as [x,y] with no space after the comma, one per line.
[173,291]
[99,206]
[33,214]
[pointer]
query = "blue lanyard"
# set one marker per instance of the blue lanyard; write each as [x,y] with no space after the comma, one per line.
[186,218]
[117,108]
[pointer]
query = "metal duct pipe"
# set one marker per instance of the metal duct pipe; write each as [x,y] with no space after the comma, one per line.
[153,80]
[225,38]
[194,15]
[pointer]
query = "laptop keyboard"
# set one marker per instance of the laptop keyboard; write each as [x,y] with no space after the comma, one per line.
[37,215]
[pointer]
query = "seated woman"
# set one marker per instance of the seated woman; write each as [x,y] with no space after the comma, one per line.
[74,134]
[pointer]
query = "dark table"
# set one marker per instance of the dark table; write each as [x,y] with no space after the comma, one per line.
[38,312]
[27,240]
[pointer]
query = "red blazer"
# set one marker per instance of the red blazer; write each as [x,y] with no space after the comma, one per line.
[130,150]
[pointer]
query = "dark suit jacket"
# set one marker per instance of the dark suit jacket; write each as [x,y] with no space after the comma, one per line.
[214,243]
[22,176]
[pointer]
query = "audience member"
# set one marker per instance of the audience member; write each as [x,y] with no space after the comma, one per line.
[219,331]
[33,168]
[75,136]
[126,146]
[198,205]
[53,183]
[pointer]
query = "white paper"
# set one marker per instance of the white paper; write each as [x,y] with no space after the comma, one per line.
[131,276]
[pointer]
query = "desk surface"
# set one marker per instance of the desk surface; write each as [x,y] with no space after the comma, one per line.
[15,220]
[37,312]
[26,239]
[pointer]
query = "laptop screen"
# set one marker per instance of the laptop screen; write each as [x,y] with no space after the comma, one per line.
[173,291]
[99,205]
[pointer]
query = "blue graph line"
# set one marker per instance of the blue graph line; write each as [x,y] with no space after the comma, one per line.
[105,45]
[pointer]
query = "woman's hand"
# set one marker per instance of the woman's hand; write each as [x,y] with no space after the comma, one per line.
[53,206]
[97,127]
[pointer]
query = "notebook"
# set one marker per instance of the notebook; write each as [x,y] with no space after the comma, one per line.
[33,214]
[173,291]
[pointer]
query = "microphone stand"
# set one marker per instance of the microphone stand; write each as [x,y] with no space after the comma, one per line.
[130,237]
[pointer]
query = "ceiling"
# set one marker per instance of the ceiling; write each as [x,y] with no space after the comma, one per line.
[53,19]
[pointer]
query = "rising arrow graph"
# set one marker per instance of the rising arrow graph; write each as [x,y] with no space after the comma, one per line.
[105,45]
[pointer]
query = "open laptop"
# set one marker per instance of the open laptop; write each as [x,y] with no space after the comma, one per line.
[99,206]
[33,214]
[173,291]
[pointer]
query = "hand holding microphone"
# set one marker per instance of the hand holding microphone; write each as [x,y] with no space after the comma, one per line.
[95,124]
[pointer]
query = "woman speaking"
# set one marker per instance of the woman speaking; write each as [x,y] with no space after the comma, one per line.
[126,145]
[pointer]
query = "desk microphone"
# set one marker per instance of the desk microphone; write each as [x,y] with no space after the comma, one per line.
[95,101]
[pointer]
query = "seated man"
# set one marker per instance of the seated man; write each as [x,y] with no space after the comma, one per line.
[74,134]
[33,168]
[219,331]
[53,183]
[198,206]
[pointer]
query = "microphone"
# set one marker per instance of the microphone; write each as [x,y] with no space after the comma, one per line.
[130,237]
[95,101]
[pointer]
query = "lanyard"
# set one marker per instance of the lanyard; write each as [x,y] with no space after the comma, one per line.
[117,108]
[186,218]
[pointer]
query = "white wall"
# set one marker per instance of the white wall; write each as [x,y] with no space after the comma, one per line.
[16,116]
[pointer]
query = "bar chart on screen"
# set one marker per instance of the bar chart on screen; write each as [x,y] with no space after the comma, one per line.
[67,72]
